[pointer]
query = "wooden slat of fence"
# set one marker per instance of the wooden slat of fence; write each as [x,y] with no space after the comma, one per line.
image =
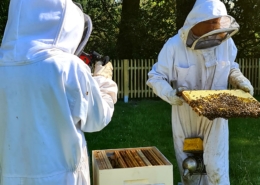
[254,72]
[133,69]
[148,65]
[146,88]
[145,78]
[115,74]
[241,65]
[135,79]
[121,78]
[258,85]
[142,78]
[131,79]
[118,69]
[126,79]
[250,69]
[115,70]
[138,80]
[256,76]
[150,90]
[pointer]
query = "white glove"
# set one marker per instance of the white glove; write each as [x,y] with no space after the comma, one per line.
[180,89]
[238,80]
[106,70]
[247,87]
[174,99]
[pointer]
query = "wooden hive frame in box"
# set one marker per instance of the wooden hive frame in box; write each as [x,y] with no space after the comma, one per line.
[143,165]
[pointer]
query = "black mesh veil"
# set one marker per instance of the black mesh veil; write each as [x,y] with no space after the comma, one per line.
[86,33]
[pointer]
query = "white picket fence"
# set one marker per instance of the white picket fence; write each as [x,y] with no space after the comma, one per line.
[131,76]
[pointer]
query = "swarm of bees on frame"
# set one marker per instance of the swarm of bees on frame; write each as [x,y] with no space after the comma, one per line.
[225,105]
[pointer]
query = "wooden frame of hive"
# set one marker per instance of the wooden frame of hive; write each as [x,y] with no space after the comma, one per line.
[244,101]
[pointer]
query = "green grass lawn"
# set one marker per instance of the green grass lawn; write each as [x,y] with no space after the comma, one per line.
[147,122]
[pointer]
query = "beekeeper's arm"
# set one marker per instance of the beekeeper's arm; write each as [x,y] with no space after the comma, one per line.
[95,107]
[158,77]
[236,78]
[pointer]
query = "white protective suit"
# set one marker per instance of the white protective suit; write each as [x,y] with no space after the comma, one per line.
[48,96]
[197,70]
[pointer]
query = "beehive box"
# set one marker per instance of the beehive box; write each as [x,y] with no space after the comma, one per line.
[131,166]
[222,103]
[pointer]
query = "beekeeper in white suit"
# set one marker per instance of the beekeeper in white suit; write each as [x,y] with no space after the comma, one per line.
[48,96]
[201,56]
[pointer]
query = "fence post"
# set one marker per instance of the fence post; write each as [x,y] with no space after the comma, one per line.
[126,80]
[258,85]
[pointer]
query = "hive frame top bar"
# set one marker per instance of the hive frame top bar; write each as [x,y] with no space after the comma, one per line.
[190,95]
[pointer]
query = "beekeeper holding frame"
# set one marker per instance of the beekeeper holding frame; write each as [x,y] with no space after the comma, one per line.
[200,57]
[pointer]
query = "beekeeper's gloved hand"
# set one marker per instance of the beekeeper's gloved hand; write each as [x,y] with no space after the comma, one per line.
[180,89]
[174,99]
[238,80]
[247,87]
[106,70]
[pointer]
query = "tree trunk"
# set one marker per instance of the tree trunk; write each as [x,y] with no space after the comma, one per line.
[183,7]
[128,28]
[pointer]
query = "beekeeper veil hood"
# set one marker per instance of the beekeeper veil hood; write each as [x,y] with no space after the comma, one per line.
[35,28]
[207,25]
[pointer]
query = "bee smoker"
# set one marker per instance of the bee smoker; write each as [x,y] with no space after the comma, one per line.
[193,164]
[93,57]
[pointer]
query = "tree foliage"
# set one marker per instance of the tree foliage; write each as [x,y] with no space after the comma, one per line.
[3,16]
[128,29]
[183,8]
[105,15]
[157,24]
[142,31]
[141,36]
[247,15]
[153,26]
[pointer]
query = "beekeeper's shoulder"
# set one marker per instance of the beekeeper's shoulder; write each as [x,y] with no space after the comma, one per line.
[173,42]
